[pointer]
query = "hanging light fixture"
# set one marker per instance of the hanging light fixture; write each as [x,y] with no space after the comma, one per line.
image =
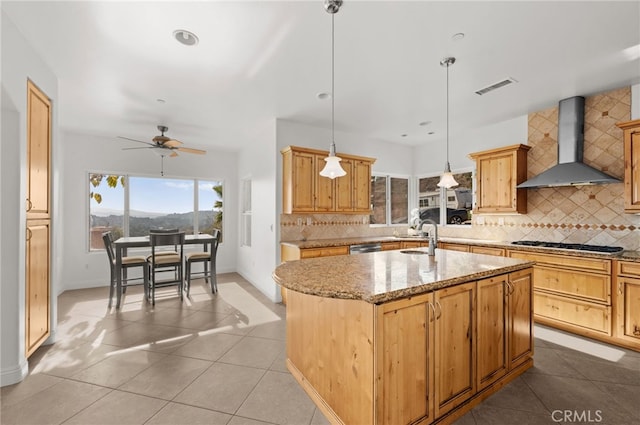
[447,181]
[332,168]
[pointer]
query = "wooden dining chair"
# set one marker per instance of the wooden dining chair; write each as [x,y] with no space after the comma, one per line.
[127,263]
[208,258]
[161,262]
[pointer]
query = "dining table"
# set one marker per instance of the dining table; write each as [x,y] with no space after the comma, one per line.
[123,244]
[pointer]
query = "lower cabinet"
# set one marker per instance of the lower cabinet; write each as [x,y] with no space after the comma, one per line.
[37,291]
[627,302]
[505,325]
[453,246]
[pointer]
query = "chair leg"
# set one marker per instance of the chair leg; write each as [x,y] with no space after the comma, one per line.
[187,272]
[206,272]
[145,279]
[214,279]
[112,284]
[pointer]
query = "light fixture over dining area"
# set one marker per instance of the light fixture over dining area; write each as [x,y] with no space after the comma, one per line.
[332,168]
[446,180]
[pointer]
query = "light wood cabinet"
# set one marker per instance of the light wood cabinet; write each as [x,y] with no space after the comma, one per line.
[38,223]
[572,293]
[487,250]
[37,284]
[389,246]
[505,325]
[627,303]
[414,244]
[498,172]
[631,131]
[453,246]
[304,190]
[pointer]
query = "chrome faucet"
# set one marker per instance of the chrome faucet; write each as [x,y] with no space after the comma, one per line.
[433,239]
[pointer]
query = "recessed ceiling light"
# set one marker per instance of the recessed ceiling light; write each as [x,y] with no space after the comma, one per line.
[186,37]
[431,132]
[423,123]
[403,135]
[323,96]
[161,101]
[457,36]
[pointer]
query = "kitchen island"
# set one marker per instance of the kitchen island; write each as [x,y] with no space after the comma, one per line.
[402,337]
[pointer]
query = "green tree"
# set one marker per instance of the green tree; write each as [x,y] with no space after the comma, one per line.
[218,206]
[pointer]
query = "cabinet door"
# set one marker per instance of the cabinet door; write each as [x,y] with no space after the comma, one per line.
[344,187]
[499,252]
[520,329]
[631,165]
[405,370]
[492,317]
[324,187]
[38,152]
[302,181]
[495,191]
[37,281]
[454,246]
[628,310]
[454,346]
[362,186]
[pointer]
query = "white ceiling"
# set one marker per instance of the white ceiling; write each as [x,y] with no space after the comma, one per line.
[261,60]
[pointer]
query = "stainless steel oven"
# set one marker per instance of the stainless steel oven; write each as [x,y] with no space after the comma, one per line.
[365,247]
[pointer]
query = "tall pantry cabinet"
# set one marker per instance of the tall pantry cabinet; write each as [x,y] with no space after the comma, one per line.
[38,214]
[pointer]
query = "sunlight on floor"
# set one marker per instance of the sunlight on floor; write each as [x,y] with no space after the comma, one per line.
[592,348]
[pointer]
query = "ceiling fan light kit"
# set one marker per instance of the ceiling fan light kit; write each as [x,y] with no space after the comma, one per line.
[447,181]
[332,168]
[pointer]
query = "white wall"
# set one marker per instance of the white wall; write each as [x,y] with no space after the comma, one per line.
[19,62]
[82,154]
[430,159]
[258,163]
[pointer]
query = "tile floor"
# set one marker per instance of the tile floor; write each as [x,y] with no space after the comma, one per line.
[219,359]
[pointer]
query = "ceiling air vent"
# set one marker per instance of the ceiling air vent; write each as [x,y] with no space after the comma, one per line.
[497,85]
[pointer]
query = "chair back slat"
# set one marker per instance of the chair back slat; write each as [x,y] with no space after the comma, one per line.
[107,238]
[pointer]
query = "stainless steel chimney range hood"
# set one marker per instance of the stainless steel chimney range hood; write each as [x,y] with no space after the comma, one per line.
[570,170]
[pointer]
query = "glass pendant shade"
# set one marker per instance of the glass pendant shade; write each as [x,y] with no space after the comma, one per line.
[446,180]
[332,168]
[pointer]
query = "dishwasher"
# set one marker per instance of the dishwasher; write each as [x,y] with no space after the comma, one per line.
[365,247]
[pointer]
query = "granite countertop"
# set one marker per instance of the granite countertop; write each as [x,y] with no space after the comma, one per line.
[321,243]
[389,275]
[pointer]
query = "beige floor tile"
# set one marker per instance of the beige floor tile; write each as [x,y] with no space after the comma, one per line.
[90,328]
[280,363]
[66,358]
[223,387]
[118,367]
[120,408]
[30,386]
[318,418]
[239,420]
[202,320]
[167,377]
[54,404]
[279,399]
[273,330]
[208,346]
[254,352]
[175,413]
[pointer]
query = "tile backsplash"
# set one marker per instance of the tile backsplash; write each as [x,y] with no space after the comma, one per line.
[577,214]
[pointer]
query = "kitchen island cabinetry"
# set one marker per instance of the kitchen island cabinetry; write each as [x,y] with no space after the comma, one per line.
[397,347]
[304,190]
[498,172]
[627,300]
[631,131]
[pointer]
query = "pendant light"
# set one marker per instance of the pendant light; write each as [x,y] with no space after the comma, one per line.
[447,181]
[332,168]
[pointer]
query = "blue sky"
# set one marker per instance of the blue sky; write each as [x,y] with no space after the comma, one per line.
[157,195]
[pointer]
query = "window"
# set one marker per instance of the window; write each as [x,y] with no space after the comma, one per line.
[132,205]
[458,199]
[389,200]
[245,219]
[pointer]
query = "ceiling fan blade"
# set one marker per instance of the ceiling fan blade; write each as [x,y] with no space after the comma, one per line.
[173,154]
[128,149]
[191,150]
[172,143]
[134,140]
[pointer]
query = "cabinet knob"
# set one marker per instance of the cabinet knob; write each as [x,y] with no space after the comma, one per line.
[29,204]
[636,330]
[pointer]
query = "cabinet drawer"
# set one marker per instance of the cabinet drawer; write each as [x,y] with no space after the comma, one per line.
[324,252]
[487,250]
[580,263]
[388,246]
[454,246]
[628,268]
[584,314]
[595,287]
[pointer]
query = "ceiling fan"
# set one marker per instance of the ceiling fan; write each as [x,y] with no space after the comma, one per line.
[164,142]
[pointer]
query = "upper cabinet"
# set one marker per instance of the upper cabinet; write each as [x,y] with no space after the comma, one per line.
[498,172]
[631,165]
[304,190]
[38,153]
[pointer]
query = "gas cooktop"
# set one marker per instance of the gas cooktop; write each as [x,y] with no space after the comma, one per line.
[577,246]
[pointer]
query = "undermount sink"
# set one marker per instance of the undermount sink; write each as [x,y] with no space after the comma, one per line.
[413,251]
[411,237]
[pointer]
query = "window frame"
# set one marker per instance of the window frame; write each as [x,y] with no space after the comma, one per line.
[388,207]
[442,198]
[127,197]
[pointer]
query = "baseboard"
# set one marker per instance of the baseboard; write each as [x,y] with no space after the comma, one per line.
[15,374]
